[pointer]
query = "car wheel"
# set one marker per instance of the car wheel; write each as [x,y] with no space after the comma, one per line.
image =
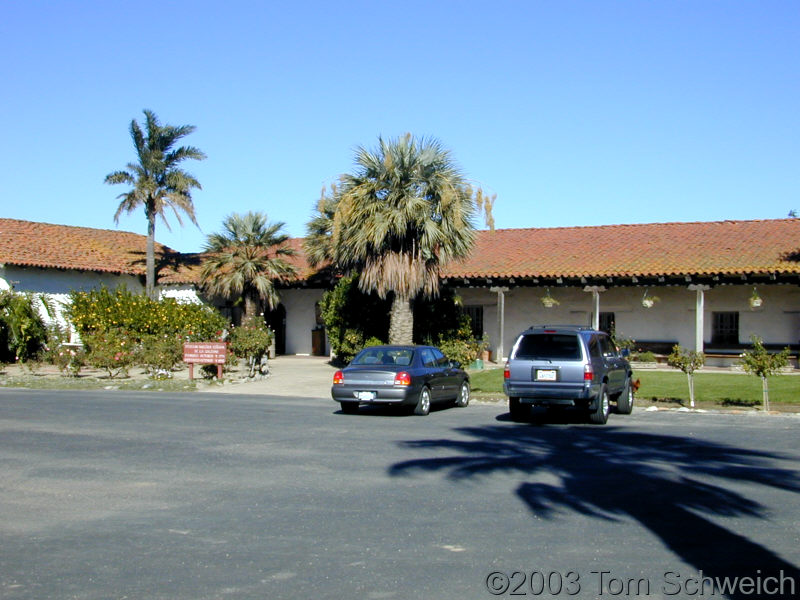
[463,394]
[423,406]
[349,408]
[625,400]
[599,414]
[518,410]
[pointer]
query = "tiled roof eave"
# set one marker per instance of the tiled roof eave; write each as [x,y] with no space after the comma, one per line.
[60,267]
[731,272]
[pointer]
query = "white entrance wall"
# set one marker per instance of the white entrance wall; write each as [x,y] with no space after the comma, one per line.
[300,318]
[672,318]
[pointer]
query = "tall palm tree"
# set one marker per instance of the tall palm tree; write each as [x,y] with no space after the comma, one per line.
[246,259]
[404,212]
[158,182]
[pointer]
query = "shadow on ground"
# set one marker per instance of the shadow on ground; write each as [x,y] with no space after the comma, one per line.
[673,486]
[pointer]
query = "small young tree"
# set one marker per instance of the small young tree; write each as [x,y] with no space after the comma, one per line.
[687,361]
[759,361]
[251,341]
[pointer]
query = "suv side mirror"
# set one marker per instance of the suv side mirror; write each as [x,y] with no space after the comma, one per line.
[625,352]
[454,364]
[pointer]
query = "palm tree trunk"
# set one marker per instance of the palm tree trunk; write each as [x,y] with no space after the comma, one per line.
[150,257]
[401,321]
[249,307]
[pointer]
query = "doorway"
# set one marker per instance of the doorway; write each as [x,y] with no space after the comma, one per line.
[276,320]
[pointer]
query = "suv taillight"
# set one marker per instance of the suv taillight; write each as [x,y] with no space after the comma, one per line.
[507,372]
[338,378]
[588,373]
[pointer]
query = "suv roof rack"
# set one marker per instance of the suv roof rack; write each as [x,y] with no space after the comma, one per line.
[572,327]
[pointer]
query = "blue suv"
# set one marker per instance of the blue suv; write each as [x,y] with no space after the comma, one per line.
[567,365]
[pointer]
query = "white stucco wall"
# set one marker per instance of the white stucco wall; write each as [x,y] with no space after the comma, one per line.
[671,319]
[56,284]
[300,318]
[57,281]
[4,285]
[181,293]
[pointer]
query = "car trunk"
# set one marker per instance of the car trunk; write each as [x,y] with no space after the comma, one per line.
[370,376]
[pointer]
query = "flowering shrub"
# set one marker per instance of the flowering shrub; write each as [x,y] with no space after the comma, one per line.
[115,351]
[104,310]
[69,359]
[463,350]
[251,340]
[122,329]
[159,354]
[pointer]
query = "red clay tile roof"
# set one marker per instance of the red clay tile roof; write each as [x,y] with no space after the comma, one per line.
[26,243]
[657,249]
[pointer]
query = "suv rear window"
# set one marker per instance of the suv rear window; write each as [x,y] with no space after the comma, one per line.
[549,345]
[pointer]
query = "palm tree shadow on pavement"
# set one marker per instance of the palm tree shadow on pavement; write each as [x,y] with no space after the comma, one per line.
[600,470]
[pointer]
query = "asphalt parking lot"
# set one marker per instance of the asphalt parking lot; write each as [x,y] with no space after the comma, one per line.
[137,495]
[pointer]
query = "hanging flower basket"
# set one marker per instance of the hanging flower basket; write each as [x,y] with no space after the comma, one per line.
[755,300]
[548,301]
[649,301]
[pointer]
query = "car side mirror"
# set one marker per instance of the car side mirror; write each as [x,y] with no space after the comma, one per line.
[454,364]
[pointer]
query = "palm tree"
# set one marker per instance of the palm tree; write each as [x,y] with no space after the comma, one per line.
[405,211]
[318,244]
[158,182]
[246,259]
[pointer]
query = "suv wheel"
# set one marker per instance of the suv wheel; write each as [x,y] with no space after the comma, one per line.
[625,400]
[599,414]
[517,410]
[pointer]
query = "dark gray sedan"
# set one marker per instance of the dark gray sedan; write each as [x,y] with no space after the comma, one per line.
[414,376]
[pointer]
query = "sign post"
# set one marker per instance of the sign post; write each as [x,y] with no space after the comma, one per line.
[205,353]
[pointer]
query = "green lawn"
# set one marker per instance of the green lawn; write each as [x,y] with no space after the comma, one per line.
[721,389]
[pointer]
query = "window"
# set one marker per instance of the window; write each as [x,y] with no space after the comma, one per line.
[725,328]
[594,348]
[475,314]
[607,322]
[441,360]
[428,358]
[548,346]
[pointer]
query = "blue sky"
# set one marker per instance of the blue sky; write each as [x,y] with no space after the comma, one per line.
[573,113]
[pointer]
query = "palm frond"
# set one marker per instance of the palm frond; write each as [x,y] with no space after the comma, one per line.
[406,210]
[245,258]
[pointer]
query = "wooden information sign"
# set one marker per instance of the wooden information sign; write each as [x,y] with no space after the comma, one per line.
[205,353]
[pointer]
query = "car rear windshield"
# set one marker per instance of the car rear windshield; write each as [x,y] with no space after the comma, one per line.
[384,356]
[550,346]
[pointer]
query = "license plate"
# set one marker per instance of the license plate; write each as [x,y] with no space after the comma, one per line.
[546,375]
[365,396]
